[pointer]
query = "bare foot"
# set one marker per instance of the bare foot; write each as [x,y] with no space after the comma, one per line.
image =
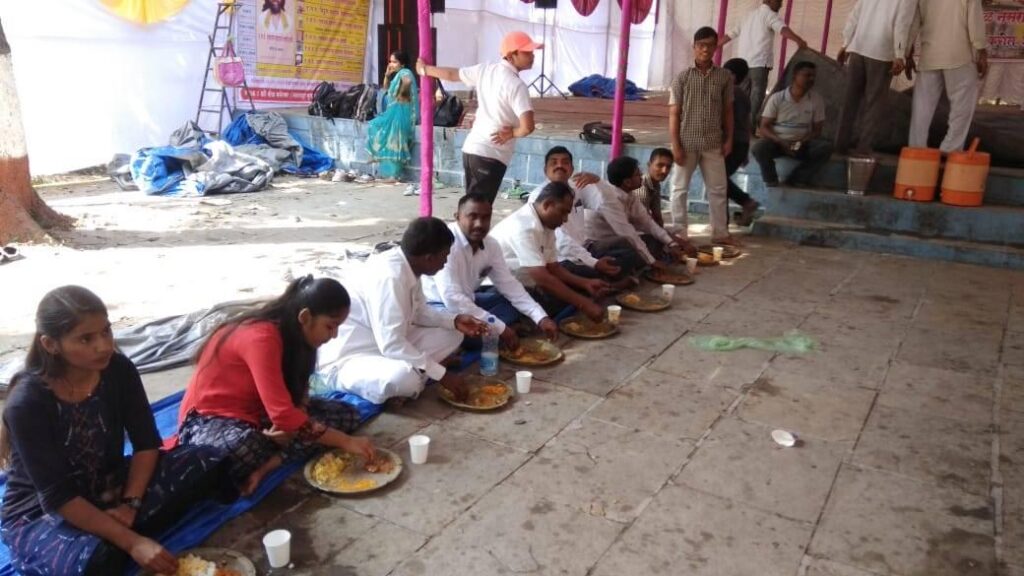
[395,403]
[253,481]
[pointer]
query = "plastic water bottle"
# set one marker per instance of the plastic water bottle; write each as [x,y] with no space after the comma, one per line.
[489,353]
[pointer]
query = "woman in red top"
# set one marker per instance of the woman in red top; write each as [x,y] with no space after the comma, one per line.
[250,391]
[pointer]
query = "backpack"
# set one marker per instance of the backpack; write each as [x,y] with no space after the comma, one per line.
[366,106]
[448,113]
[601,133]
[323,99]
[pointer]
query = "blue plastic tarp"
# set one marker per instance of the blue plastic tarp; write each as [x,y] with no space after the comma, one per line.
[597,86]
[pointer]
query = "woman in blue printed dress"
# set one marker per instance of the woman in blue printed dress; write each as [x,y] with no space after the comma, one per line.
[389,136]
[75,504]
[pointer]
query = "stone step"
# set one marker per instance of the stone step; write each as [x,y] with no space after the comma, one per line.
[854,237]
[1004,187]
[987,223]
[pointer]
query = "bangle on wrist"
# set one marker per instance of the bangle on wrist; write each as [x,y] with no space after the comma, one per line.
[133,503]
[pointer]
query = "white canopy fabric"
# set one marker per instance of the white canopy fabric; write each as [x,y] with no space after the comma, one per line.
[93,84]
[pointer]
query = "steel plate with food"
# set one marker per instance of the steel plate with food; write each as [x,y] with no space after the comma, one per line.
[580,326]
[484,393]
[676,275]
[727,251]
[642,302]
[533,352]
[339,472]
[213,562]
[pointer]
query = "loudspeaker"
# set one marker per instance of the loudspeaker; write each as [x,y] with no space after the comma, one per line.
[545,4]
[437,6]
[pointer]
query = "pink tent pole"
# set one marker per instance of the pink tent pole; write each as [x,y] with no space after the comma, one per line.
[782,53]
[723,9]
[620,80]
[426,52]
[828,24]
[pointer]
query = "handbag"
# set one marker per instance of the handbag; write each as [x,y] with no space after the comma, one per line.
[449,112]
[228,69]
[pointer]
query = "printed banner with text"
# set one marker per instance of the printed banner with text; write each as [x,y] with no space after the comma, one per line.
[290,46]
[1005,31]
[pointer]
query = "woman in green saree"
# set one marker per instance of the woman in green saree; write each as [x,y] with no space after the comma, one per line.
[390,134]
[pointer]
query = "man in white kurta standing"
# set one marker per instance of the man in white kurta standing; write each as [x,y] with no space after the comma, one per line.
[954,55]
[503,113]
[476,257]
[755,43]
[874,47]
[392,341]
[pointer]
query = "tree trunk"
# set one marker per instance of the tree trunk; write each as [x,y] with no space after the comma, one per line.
[24,217]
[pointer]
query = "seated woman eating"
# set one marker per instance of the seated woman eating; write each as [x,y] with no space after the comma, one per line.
[75,504]
[250,392]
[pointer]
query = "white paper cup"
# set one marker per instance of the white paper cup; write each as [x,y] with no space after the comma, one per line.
[524,379]
[614,311]
[419,445]
[691,265]
[279,548]
[668,291]
[717,251]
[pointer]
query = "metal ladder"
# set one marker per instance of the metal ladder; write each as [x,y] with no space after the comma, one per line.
[223,101]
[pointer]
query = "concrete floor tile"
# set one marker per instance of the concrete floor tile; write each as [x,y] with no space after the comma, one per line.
[237,533]
[375,553]
[740,461]
[597,367]
[734,369]
[527,427]
[877,304]
[689,532]
[1011,570]
[162,384]
[602,469]
[390,428]
[1015,321]
[895,525]
[939,312]
[808,406]
[1013,349]
[842,367]
[976,352]
[690,302]
[666,405]
[1011,468]
[835,329]
[949,453]
[428,406]
[1012,397]
[749,317]
[511,531]
[956,395]
[820,567]
[427,497]
[635,330]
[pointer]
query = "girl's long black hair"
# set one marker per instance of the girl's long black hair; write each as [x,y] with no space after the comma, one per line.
[320,296]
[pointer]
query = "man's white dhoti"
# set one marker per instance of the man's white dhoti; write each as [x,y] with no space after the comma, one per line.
[377,378]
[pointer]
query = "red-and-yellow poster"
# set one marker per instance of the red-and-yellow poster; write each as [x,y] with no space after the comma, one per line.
[1005,31]
[290,46]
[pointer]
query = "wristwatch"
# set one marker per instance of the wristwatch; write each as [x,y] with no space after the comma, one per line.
[133,503]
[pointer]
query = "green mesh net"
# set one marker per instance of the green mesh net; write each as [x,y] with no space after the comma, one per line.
[793,342]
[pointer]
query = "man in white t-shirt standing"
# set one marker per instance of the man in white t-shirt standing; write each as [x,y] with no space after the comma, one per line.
[755,41]
[504,111]
[954,54]
[874,45]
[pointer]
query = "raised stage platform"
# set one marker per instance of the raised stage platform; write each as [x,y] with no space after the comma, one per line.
[990,235]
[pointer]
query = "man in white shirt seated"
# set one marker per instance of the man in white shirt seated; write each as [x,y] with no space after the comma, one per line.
[874,44]
[756,34]
[475,257]
[527,238]
[503,113]
[954,56]
[620,216]
[392,341]
[790,126]
[616,262]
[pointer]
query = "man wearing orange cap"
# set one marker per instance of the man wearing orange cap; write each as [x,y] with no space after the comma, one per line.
[504,112]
